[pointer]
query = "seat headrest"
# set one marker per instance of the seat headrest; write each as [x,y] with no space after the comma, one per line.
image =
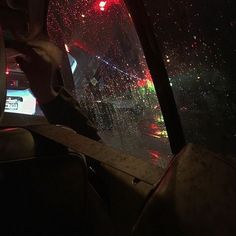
[16,144]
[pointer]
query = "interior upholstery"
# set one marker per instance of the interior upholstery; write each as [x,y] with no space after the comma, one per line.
[45,189]
[16,143]
[196,197]
[40,194]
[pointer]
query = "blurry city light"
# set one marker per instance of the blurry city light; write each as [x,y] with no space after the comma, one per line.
[7,71]
[67,48]
[102,5]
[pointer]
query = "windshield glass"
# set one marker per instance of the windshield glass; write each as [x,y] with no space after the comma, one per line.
[112,81]
[197,39]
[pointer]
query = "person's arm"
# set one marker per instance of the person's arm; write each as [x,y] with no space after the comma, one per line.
[59,107]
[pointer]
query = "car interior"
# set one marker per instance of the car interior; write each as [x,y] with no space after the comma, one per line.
[57,182]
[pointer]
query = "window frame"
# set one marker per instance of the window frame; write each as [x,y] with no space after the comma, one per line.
[158,72]
[2,74]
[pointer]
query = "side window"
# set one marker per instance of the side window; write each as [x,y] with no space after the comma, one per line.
[112,81]
[19,96]
[197,40]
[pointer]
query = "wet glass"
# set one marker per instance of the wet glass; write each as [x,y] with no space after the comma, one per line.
[112,82]
[197,40]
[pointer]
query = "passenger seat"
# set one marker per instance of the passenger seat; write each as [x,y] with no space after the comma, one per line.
[43,192]
[195,197]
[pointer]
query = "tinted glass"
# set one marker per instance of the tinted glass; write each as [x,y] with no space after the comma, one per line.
[197,39]
[112,81]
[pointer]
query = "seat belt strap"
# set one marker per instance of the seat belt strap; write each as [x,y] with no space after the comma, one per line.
[126,163]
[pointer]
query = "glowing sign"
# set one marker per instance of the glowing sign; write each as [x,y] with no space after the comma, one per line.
[20,101]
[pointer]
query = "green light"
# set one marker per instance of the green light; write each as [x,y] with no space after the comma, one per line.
[151,86]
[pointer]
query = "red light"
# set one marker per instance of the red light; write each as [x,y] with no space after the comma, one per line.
[148,75]
[81,45]
[142,83]
[155,156]
[7,71]
[153,126]
[105,5]
[102,5]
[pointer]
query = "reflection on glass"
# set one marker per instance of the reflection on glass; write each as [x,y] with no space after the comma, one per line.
[112,81]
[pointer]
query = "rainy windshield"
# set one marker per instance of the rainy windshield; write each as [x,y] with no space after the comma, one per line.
[112,82]
[197,39]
